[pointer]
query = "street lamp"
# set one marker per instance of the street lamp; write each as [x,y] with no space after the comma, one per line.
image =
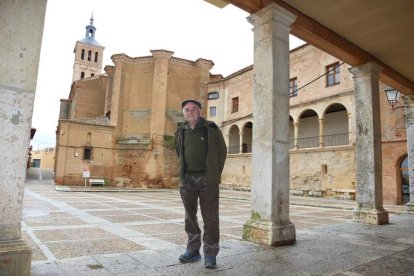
[393,96]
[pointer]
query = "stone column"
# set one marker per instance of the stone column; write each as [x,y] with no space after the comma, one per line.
[351,134]
[409,113]
[368,146]
[269,223]
[240,142]
[21,32]
[296,129]
[321,131]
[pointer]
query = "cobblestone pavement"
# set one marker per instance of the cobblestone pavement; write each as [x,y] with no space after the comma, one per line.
[78,232]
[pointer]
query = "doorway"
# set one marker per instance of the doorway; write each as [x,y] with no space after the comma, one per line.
[405,188]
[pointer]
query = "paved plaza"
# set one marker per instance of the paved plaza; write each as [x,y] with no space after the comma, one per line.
[105,231]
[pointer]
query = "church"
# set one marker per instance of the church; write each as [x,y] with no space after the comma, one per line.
[118,126]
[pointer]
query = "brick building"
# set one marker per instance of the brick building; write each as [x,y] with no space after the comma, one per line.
[118,126]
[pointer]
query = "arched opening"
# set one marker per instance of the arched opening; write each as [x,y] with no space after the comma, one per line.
[247,138]
[405,187]
[234,138]
[291,133]
[308,136]
[336,126]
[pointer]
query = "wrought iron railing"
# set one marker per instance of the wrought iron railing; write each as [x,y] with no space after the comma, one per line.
[303,143]
[246,148]
[328,141]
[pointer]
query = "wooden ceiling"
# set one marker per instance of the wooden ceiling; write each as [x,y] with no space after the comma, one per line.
[354,31]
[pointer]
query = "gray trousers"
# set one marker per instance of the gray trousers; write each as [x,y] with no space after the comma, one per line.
[195,188]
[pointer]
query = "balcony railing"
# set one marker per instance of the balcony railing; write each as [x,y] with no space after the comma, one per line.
[336,139]
[328,141]
[246,148]
[332,140]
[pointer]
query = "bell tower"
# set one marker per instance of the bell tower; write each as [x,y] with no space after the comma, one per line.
[88,55]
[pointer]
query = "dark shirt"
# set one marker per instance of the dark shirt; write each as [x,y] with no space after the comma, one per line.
[195,150]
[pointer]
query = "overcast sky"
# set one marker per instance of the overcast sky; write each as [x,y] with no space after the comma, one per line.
[192,29]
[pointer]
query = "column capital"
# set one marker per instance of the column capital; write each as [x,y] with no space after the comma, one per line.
[272,12]
[366,68]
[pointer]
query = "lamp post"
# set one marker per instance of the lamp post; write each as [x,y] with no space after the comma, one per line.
[393,96]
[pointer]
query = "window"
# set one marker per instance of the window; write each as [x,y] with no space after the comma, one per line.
[293,87]
[92,74]
[82,75]
[87,153]
[234,104]
[213,95]
[89,55]
[96,56]
[83,54]
[213,111]
[332,76]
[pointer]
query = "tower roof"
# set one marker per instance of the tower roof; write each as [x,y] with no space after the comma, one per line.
[90,34]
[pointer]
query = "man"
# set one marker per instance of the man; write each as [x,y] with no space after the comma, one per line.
[201,152]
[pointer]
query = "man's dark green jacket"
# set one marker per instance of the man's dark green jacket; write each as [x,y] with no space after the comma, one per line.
[216,151]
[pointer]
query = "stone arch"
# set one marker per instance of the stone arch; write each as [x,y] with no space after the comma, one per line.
[234,140]
[335,125]
[308,132]
[247,139]
[403,192]
[291,132]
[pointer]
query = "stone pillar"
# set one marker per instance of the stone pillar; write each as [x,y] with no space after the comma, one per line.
[321,131]
[116,101]
[159,91]
[296,133]
[240,142]
[269,223]
[21,32]
[203,71]
[409,113]
[351,134]
[368,146]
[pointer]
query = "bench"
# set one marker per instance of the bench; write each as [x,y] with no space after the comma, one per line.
[94,181]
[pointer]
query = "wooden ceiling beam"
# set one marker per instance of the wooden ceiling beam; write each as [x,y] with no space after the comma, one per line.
[325,39]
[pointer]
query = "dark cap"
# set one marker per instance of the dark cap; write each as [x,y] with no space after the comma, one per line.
[190,101]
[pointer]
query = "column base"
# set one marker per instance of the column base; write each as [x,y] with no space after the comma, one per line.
[269,233]
[370,216]
[15,258]
[410,205]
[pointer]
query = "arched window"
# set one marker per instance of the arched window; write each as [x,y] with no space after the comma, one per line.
[247,138]
[234,140]
[308,130]
[96,56]
[213,95]
[336,129]
[89,55]
[82,75]
[83,54]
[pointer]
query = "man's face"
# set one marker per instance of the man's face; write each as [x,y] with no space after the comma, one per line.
[191,112]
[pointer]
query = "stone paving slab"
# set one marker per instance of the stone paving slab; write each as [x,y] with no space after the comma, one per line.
[142,233]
